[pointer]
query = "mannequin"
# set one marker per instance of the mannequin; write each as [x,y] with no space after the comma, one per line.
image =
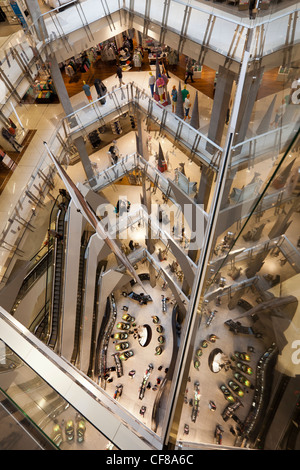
[166,81]
[120,75]
[187,105]
[184,93]
[87,91]
[165,65]
[100,89]
[151,83]
[161,87]
[174,98]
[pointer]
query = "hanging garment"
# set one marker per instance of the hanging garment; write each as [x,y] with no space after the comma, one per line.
[97,83]
[94,139]
[137,59]
[69,71]
[100,89]
[91,55]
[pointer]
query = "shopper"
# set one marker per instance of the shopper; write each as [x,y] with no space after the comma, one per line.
[252,9]
[279,114]
[189,72]
[187,105]
[55,234]
[87,91]
[120,75]
[228,114]
[174,98]
[151,83]
[161,255]
[114,152]
[165,65]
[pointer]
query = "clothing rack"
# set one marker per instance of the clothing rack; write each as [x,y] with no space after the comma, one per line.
[94,139]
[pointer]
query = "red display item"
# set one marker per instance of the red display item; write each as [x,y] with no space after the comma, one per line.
[163,168]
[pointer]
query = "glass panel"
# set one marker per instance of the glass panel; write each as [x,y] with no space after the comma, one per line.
[156,11]
[248,309]
[176,16]
[197,25]
[251,289]
[233,39]
[50,414]
[95,112]
[139,6]
[26,208]
[59,23]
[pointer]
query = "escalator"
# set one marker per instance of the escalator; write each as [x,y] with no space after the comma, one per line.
[80,294]
[40,261]
[105,320]
[56,294]
[39,326]
[101,267]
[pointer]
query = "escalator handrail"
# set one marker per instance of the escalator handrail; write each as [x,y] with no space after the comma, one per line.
[49,226]
[51,309]
[38,319]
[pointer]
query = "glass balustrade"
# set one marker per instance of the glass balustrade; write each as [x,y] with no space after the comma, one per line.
[63,421]
[47,416]
[94,112]
[117,103]
[76,15]
[250,280]
[30,203]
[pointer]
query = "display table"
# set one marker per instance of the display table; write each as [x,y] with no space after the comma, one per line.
[197,72]
[42,92]
[7,161]
[125,62]
[124,58]
[264,4]
[45,97]
[243,4]
[283,73]
[126,68]
[152,57]
[156,54]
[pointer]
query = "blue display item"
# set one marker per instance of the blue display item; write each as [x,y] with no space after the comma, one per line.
[18,13]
